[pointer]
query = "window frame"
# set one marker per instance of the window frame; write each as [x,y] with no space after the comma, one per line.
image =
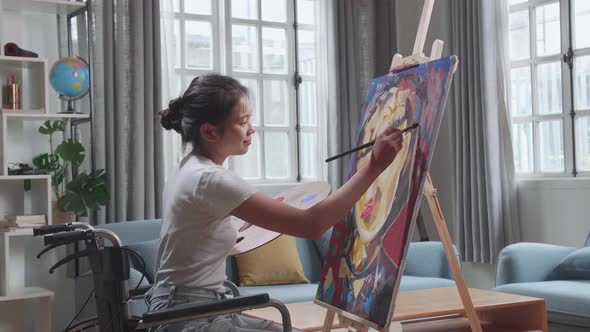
[221,22]
[567,89]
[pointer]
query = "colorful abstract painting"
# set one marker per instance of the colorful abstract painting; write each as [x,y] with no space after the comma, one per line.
[364,263]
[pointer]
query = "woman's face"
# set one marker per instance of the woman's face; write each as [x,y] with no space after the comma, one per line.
[237,129]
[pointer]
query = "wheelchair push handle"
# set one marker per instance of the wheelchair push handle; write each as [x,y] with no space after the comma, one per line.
[67,237]
[51,229]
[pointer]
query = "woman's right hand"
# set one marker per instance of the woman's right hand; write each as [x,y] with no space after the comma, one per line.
[386,147]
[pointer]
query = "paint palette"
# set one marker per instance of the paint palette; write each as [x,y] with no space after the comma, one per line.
[302,196]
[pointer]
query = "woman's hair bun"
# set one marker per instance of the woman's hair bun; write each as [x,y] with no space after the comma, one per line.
[171,118]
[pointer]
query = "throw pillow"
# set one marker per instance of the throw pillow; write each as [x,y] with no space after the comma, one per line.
[274,263]
[575,266]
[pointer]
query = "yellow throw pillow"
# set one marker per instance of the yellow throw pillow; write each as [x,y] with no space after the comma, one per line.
[276,262]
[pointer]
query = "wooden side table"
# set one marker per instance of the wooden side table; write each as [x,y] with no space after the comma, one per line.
[436,309]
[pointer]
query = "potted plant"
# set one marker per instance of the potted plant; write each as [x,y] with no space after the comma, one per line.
[85,191]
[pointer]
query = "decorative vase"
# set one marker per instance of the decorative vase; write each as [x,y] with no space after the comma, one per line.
[61,217]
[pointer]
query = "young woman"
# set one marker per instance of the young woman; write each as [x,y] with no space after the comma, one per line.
[214,115]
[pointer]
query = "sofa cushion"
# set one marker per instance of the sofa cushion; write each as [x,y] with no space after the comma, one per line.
[323,243]
[149,252]
[135,231]
[567,301]
[310,259]
[575,266]
[284,293]
[414,283]
[276,262]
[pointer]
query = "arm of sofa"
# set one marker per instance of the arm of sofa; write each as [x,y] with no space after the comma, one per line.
[528,262]
[428,259]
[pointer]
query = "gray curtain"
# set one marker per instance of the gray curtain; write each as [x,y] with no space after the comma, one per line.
[126,95]
[484,189]
[362,41]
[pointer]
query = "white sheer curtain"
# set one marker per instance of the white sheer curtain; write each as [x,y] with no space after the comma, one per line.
[172,143]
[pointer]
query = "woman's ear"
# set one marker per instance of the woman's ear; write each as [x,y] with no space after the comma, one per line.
[209,132]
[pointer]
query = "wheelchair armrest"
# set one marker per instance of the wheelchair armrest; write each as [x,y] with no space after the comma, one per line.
[243,303]
[201,310]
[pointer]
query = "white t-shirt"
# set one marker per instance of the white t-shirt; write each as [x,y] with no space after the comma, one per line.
[197,233]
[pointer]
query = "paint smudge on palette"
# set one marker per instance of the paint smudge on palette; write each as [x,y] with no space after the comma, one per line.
[308,198]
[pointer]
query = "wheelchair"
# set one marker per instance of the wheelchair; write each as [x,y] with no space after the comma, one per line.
[110,269]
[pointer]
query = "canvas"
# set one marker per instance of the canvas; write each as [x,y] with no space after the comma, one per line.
[364,263]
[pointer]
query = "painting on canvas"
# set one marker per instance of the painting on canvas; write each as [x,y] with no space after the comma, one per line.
[363,265]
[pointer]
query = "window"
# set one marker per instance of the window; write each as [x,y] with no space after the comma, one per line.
[254,41]
[550,117]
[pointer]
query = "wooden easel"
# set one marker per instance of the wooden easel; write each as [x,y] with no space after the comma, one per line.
[356,323]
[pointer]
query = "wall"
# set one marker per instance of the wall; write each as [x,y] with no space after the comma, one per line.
[555,210]
[38,32]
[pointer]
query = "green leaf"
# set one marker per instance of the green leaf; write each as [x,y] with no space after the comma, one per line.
[58,177]
[71,151]
[49,127]
[85,192]
[46,162]
[74,203]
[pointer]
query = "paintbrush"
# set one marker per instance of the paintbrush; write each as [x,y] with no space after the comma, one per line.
[366,145]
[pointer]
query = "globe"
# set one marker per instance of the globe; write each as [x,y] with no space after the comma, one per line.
[70,77]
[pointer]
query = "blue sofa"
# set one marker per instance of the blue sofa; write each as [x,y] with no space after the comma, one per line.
[530,269]
[426,265]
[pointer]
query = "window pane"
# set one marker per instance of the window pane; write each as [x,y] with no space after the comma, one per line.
[176,5]
[199,42]
[274,51]
[308,103]
[244,48]
[252,85]
[583,143]
[274,10]
[276,151]
[582,82]
[549,88]
[306,11]
[307,53]
[309,154]
[551,146]
[201,7]
[522,137]
[548,29]
[520,91]
[186,82]
[247,9]
[519,35]
[514,2]
[276,103]
[248,165]
[582,23]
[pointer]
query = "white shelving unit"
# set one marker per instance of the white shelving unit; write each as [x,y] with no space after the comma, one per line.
[20,141]
[42,6]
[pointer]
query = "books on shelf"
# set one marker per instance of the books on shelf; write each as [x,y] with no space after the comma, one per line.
[26,221]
